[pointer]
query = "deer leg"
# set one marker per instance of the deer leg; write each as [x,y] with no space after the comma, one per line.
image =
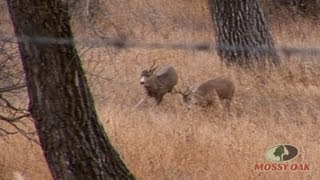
[216,101]
[140,102]
[173,90]
[159,99]
[227,104]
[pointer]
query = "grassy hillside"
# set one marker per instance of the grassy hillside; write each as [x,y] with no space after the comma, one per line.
[170,142]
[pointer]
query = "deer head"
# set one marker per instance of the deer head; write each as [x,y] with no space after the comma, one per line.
[147,73]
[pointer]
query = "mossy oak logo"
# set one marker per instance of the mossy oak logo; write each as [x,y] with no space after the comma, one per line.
[281,153]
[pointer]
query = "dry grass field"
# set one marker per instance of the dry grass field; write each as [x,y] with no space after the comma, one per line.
[277,106]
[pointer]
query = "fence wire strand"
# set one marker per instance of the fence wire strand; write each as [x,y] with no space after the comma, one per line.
[124,43]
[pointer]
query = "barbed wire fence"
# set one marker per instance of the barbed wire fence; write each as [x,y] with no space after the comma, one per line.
[124,43]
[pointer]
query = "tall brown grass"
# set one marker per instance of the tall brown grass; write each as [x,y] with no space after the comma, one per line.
[170,142]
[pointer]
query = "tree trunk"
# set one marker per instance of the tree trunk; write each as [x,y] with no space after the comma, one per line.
[242,35]
[74,142]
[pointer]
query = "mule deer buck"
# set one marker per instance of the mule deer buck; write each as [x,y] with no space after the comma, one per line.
[210,92]
[158,81]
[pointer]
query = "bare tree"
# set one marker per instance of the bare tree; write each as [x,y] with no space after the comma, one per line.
[242,33]
[74,142]
[14,115]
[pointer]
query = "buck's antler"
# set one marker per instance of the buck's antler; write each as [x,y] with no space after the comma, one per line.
[152,68]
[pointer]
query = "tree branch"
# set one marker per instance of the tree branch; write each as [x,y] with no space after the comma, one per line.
[11,88]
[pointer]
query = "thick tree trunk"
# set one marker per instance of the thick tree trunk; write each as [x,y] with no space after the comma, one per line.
[242,34]
[74,142]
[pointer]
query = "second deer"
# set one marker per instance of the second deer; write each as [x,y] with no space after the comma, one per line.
[210,92]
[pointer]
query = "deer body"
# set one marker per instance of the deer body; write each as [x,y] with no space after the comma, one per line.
[159,81]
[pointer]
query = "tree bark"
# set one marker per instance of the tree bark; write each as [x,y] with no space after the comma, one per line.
[242,34]
[74,142]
